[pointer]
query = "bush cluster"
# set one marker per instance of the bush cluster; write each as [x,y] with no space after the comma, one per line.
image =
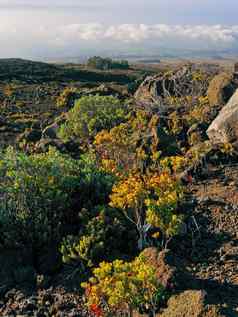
[40,193]
[92,114]
[123,287]
[101,207]
[100,63]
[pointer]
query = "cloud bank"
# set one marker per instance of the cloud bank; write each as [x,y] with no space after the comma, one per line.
[53,39]
[142,32]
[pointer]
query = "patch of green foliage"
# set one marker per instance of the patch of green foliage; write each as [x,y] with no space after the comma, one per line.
[41,193]
[90,115]
[98,62]
[103,235]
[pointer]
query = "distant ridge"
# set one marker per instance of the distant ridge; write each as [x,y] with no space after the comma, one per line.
[22,69]
[28,71]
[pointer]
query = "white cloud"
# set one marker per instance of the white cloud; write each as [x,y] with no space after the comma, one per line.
[48,37]
[141,32]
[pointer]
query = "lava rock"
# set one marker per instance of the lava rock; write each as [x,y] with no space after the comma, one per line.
[224,128]
[221,88]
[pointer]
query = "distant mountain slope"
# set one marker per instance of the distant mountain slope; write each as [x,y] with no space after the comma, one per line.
[35,72]
[16,67]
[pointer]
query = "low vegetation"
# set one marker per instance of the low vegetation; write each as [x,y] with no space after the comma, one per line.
[101,178]
[98,62]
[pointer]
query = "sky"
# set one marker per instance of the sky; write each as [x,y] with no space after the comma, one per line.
[58,28]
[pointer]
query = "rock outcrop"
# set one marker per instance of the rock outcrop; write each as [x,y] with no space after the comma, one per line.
[162,85]
[165,272]
[190,303]
[224,128]
[221,88]
[236,68]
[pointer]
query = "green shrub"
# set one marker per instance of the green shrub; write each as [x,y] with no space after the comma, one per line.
[41,192]
[103,235]
[98,62]
[90,115]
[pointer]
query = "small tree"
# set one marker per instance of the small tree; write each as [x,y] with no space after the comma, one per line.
[129,195]
[162,205]
[149,200]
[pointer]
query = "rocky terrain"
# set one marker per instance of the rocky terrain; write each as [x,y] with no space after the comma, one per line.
[201,263]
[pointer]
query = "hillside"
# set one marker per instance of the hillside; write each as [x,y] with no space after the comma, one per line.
[118,192]
[37,72]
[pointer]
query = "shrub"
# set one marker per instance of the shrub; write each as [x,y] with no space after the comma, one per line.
[133,145]
[162,205]
[103,235]
[98,62]
[149,199]
[122,287]
[39,191]
[173,164]
[90,115]
[67,97]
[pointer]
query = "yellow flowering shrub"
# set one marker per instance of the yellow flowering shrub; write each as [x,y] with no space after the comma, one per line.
[151,199]
[66,98]
[199,76]
[200,111]
[173,163]
[115,149]
[162,205]
[130,146]
[227,148]
[129,193]
[175,123]
[123,286]
[103,235]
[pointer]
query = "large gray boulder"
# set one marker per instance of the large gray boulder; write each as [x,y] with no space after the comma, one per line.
[224,128]
[221,88]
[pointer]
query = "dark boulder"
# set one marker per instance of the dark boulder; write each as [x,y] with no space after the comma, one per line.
[29,136]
